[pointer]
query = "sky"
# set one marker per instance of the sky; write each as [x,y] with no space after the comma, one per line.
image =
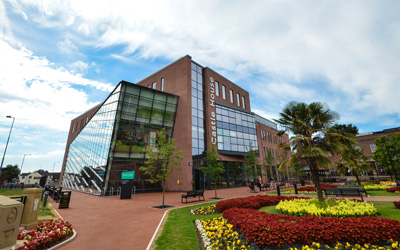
[61,58]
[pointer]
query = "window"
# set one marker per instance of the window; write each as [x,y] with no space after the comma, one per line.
[217,88]
[87,119]
[373,147]
[154,85]
[223,92]
[73,128]
[162,84]
[238,99]
[243,102]
[231,93]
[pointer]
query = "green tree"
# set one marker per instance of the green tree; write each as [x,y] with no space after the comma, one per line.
[387,152]
[162,161]
[349,128]
[268,164]
[251,163]
[314,141]
[11,172]
[354,160]
[214,167]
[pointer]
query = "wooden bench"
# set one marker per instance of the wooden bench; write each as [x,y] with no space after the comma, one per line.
[188,194]
[359,187]
[343,192]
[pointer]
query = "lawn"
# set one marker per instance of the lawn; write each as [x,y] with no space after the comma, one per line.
[178,231]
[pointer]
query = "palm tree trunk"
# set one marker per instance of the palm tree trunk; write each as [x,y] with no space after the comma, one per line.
[315,178]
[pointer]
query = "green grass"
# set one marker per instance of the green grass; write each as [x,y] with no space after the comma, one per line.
[178,231]
[11,192]
[381,193]
[387,209]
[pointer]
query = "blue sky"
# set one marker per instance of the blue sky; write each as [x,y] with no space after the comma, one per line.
[60,58]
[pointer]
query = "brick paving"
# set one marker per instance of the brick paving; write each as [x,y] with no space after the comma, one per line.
[111,223]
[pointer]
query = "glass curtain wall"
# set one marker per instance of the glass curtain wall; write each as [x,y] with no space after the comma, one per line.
[114,140]
[236,131]
[197,110]
[88,153]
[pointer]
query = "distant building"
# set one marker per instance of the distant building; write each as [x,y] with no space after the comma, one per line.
[198,107]
[30,178]
[366,142]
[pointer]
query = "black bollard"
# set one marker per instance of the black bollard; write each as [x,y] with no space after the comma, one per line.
[278,189]
[295,188]
[46,193]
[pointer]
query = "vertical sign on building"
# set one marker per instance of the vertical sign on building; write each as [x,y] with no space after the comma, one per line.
[213,120]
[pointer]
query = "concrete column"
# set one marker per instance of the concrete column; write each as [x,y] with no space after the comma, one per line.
[10,217]
[31,211]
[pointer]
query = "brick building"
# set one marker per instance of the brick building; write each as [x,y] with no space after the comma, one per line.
[199,109]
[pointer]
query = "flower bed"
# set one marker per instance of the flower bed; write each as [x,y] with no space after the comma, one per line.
[388,183]
[393,189]
[279,230]
[328,208]
[45,234]
[253,202]
[312,188]
[396,204]
[217,233]
[204,210]
[375,187]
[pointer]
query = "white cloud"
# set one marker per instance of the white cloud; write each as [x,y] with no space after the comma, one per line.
[79,67]
[37,92]
[352,45]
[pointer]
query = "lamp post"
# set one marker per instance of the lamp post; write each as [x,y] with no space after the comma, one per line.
[23,159]
[52,172]
[5,150]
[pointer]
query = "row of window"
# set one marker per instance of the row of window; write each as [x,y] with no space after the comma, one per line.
[198,144]
[270,137]
[274,152]
[154,85]
[232,98]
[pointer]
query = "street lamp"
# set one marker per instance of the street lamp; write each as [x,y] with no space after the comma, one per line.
[23,159]
[5,150]
[54,165]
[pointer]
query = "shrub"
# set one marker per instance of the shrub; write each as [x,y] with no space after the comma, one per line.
[253,202]
[312,188]
[279,230]
[328,208]
[375,187]
[393,189]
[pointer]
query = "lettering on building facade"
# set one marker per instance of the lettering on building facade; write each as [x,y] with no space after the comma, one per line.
[213,119]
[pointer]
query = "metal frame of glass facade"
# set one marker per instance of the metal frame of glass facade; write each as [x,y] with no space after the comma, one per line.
[236,130]
[198,135]
[114,140]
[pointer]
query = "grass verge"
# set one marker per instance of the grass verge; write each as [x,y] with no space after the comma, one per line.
[178,231]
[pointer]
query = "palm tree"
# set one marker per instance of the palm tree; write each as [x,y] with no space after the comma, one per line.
[354,160]
[314,141]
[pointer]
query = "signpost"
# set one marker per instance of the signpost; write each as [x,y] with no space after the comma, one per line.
[65,199]
[127,184]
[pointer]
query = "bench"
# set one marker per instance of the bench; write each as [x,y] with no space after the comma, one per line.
[193,194]
[359,187]
[343,192]
[265,186]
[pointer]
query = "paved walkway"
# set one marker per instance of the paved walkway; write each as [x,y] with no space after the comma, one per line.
[111,223]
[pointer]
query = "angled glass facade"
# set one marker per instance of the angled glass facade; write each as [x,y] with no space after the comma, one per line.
[236,130]
[197,110]
[114,139]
